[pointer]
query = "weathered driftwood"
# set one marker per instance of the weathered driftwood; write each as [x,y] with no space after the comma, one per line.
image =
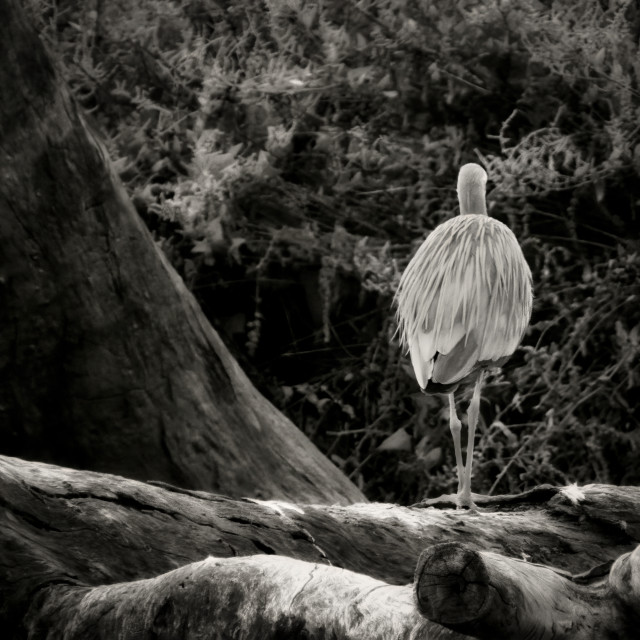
[67,534]
[106,360]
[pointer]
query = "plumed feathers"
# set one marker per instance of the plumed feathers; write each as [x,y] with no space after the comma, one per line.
[465,298]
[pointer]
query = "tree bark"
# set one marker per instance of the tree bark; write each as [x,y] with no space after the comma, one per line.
[106,361]
[86,554]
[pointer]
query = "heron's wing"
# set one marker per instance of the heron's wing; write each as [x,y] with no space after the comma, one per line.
[464,298]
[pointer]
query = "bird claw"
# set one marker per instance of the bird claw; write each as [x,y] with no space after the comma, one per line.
[466,502]
[457,500]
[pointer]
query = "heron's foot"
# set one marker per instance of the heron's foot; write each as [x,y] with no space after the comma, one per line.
[464,500]
[452,500]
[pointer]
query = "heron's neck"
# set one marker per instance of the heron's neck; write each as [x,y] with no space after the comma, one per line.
[471,198]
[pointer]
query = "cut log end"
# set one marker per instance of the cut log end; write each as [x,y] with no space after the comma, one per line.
[490,596]
[452,584]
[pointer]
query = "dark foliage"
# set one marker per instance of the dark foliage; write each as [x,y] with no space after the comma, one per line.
[290,156]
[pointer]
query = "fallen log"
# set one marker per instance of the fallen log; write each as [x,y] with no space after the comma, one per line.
[481,595]
[65,534]
[266,597]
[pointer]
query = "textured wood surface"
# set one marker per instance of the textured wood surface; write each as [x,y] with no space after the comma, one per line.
[82,529]
[265,597]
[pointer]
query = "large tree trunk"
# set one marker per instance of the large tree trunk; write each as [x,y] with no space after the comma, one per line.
[106,361]
[87,555]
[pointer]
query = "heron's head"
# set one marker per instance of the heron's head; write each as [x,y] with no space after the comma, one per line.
[472,183]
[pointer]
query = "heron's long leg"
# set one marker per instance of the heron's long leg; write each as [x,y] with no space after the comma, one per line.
[456,427]
[472,419]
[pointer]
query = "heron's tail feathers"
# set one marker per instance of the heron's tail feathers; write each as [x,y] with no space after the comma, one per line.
[458,363]
[435,354]
[422,352]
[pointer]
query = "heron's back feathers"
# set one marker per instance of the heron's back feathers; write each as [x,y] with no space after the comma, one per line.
[464,299]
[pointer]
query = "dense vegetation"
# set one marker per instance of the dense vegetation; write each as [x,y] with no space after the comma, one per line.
[290,155]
